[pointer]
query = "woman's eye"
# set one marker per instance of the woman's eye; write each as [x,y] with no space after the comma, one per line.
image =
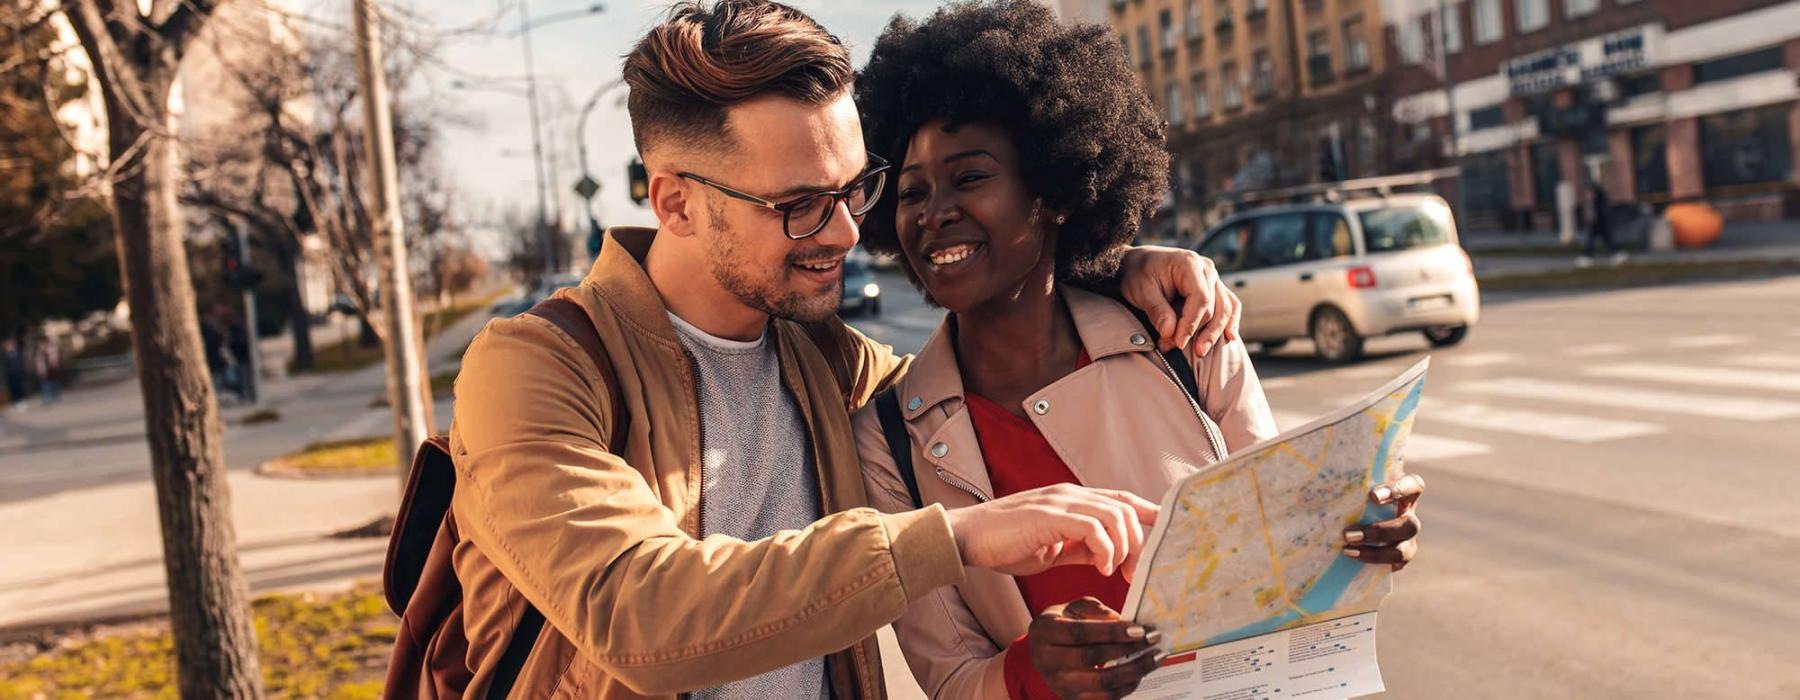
[967,178]
[911,194]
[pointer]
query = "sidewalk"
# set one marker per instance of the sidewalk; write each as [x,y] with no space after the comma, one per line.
[1518,254]
[79,509]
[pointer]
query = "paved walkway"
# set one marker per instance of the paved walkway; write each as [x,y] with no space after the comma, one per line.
[80,513]
[1507,254]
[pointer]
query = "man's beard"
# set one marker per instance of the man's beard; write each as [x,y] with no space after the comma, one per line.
[765,289]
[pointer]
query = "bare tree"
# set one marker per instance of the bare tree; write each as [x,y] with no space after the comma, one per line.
[136,57]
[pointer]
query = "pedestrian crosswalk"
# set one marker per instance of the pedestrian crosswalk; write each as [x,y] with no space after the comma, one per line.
[1593,394]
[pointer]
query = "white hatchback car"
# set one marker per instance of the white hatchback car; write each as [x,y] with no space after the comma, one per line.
[1342,272]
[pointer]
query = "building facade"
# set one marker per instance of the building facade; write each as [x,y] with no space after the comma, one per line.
[1656,100]
[1258,94]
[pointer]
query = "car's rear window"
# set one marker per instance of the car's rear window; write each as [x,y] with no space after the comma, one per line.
[1403,228]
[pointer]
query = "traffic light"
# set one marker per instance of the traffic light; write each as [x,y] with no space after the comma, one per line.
[639,179]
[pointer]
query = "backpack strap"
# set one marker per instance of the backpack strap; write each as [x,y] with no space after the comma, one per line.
[893,427]
[574,322]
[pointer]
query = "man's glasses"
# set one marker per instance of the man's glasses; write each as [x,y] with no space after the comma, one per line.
[807,215]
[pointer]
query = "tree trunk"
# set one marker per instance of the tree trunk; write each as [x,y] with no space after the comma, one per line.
[209,611]
[299,321]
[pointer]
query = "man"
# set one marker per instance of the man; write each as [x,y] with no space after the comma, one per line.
[718,544]
[13,360]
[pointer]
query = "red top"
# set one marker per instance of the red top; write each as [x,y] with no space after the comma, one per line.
[1020,459]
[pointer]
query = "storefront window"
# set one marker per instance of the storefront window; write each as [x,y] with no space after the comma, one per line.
[1746,147]
[1545,173]
[1485,179]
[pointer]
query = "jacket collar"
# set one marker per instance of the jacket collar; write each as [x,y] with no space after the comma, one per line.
[619,276]
[1106,328]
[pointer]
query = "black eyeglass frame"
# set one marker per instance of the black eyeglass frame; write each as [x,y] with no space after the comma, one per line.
[878,168]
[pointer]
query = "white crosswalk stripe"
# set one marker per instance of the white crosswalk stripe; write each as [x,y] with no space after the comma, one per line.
[1691,342]
[1430,448]
[1556,426]
[1596,350]
[1704,376]
[1677,402]
[1768,361]
[1485,359]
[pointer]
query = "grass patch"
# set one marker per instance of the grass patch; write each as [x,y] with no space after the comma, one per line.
[372,455]
[311,646]
[349,353]
[1641,275]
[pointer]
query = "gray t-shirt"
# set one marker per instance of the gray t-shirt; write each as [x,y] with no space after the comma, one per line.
[756,472]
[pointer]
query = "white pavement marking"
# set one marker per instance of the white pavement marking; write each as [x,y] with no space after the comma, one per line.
[1680,402]
[1484,359]
[1703,376]
[1556,426]
[1430,448]
[1691,342]
[1596,350]
[1768,361]
[1289,420]
[1278,382]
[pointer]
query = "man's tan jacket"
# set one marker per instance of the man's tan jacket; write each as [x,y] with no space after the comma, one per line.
[608,548]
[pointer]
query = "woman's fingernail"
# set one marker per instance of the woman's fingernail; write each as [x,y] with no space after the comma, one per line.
[1382,493]
[1353,553]
[1159,656]
[1154,637]
[1353,536]
[1135,631]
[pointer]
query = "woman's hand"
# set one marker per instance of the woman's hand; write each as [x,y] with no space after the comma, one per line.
[1070,643]
[1154,277]
[1393,542]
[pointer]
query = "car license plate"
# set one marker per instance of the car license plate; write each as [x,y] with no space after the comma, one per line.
[1432,303]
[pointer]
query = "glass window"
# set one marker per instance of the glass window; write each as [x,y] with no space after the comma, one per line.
[1172,95]
[1546,171]
[1223,10]
[1232,85]
[1194,28]
[1646,84]
[1578,8]
[1144,45]
[1486,118]
[1257,7]
[1330,237]
[1280,240]
[1487,21]
[1226,248]
[1532,14]
[1746,147]
[1410,40]
[1318,55]
[1202,101]
[1356,48]
[1742,64]
[1165,26]
[1650,158]
[1404,228]
[1489,188]
[1264,74]
[1452,27]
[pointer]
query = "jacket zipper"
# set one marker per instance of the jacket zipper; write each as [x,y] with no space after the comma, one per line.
[1212,436]
[962,485]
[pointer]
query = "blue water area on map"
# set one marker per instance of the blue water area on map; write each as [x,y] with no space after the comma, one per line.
[1330,586]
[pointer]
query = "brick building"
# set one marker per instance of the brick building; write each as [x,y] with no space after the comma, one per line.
[1259,93]
[1665,100]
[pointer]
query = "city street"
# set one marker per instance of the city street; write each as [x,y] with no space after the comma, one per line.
[1611,507]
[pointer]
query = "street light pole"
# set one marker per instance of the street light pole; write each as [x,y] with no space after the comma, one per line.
[537,142]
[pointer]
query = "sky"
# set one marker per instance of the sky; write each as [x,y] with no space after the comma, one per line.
[490,162]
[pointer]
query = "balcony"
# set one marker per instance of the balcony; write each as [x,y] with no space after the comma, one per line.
[1224,26]
[1255,16]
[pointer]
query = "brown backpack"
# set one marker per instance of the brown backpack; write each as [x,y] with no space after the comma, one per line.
[419,577]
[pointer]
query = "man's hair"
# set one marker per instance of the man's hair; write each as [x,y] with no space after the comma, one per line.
[689,70]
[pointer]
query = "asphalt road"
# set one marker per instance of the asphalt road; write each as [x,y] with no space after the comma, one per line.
[1614,492]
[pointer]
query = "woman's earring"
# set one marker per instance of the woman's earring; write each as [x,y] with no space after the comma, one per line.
[1061,218]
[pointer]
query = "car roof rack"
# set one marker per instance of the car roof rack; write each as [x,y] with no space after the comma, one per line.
[1333,192]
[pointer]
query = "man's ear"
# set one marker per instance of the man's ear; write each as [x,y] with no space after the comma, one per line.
[668,198]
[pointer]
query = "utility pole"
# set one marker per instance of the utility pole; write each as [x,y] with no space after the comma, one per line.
[537,142]
[404,367]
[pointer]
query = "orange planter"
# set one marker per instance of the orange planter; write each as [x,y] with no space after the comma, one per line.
[1695,224]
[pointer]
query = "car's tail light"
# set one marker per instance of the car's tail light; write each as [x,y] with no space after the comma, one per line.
[1361,277]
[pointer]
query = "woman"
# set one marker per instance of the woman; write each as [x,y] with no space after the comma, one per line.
[1026,156]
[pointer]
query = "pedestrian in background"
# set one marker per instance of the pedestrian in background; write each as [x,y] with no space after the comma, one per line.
[1600,228]
[13,358]
[48,363]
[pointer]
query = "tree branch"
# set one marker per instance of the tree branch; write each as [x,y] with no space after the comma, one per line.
[184,21]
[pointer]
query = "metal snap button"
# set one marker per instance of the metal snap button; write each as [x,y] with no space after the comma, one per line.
[1138,339]
[1041,407]
[940,449]
[913,403]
